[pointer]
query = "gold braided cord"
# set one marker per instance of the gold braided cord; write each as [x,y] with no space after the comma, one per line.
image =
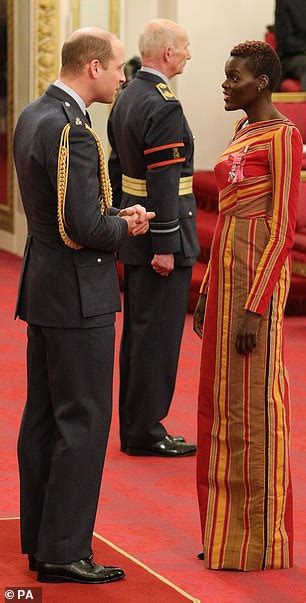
[62,180]
[106,196]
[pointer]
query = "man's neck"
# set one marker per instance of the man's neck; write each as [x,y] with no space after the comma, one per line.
[158,66]
[77,87]
[155,71]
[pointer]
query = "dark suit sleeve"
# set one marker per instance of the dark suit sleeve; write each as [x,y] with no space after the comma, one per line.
[164,155]
[84,222]
[289,40]
[114,167]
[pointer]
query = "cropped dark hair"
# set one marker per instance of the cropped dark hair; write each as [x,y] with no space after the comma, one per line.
[83,49]
[261,60]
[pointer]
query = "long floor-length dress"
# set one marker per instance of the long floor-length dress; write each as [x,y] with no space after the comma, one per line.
[244,483]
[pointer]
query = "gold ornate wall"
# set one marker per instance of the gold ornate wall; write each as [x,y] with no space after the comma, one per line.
[6,207]
[46,44]
[41,55]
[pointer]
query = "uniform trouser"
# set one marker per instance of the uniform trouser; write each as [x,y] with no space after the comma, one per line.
[295,67]
[154,313]
[63,437]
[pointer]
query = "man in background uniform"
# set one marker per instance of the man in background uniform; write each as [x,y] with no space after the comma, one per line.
[152,163]
[290,31]
[68,295]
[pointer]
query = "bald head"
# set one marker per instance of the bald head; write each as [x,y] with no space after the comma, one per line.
[85,45]
[157,35]
[164,46]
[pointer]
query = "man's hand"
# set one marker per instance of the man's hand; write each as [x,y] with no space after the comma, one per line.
[247,333]
[163,263]
[137,218]
[198,315]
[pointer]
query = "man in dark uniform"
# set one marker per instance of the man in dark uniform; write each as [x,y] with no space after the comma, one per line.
[68,295]
[290,31]
[152,162]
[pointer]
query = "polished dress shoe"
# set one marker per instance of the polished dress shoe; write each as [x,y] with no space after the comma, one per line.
[166,447]
[84,571]
[175,439]
[32,562]
[201,556]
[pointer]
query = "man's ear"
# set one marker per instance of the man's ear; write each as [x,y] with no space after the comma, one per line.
[94,68]
[168,50]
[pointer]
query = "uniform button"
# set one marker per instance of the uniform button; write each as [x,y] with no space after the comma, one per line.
[67,104]
[190,213]
[99,260]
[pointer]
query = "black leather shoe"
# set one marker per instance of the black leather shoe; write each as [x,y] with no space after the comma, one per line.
[201,556]
[175,439]
[32,562]
[84,571]
[166,447]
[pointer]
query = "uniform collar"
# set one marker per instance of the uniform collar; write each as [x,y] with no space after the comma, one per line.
[71,93]
[159,74]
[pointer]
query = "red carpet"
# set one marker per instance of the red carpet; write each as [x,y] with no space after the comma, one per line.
[148,505]
[140,584]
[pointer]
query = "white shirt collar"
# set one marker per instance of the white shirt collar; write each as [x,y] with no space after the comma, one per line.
[156,72]
[72,93]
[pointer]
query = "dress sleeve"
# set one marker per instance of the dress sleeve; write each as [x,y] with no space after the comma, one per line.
[285,165]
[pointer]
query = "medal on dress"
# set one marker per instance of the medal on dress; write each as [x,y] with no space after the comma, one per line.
[236,172]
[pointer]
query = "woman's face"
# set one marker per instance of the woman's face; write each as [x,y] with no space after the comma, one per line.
[240,88]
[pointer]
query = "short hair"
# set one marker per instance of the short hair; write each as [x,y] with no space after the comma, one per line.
[152,41]
[131,67]
[83,49]
[261,60]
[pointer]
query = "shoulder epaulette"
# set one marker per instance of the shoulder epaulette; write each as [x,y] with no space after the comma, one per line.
[166,92]
[72,118]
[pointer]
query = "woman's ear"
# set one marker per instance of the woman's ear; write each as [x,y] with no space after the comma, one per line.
[263,82]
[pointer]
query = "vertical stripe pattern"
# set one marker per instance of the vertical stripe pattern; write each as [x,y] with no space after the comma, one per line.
[244,483]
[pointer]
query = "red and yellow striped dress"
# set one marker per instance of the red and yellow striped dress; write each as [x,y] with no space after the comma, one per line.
[243,472]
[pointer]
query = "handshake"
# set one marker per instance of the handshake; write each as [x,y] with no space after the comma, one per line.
[137,218]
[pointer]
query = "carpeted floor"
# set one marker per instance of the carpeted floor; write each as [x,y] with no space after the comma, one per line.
[140,583]
[148,505]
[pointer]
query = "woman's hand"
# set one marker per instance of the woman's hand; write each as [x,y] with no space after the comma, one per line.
[247,333]
[198,316]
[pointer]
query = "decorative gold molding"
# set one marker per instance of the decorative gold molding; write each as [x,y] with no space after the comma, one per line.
[289,97]
[46,44]
[114,17]
[6,210]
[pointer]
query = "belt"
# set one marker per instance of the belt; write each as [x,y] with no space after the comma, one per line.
[138,187]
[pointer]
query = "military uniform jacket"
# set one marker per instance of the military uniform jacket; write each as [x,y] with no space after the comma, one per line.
[152,144]
[60,286]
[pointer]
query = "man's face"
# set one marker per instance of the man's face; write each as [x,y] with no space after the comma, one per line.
[111,78]
[180,54]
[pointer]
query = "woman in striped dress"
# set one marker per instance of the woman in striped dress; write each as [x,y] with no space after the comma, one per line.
[244,484]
